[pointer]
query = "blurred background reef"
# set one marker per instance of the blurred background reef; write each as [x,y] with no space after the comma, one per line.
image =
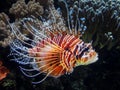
[102,19]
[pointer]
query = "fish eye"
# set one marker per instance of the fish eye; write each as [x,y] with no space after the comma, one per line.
[86,49]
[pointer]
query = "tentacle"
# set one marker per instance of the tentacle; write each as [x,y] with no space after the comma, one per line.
[19,53]
[26,38]
[13,28]
[36,69]
[44,77]
[30,70]
[53,15]
[76,23]
[42,35]
[68,17]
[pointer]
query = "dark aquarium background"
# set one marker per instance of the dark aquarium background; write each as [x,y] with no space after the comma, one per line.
[102,19]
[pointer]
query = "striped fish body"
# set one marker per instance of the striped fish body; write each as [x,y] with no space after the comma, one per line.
[60,53]
[51,52]
[54,47]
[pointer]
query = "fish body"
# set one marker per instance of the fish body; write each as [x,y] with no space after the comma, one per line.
[50,49]
[61,53]
[53,54]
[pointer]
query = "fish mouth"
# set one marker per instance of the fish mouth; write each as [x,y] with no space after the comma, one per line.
[87,59]
[93,58]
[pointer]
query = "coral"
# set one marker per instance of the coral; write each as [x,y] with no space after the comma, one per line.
[3,71]
[34,8]
[5,34]
[56,19]
[21,9]
[102,21]
[8,83]
[45,2]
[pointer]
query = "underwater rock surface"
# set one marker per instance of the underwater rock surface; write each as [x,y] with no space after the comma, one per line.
[102,21]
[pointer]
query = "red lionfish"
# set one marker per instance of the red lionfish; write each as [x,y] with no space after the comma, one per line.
[52,51]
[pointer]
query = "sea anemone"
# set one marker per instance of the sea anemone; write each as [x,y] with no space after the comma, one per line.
[102,20]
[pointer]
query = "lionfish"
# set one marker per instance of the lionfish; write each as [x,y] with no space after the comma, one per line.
[51,50]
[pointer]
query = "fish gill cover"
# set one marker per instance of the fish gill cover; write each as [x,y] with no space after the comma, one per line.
[96,23]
